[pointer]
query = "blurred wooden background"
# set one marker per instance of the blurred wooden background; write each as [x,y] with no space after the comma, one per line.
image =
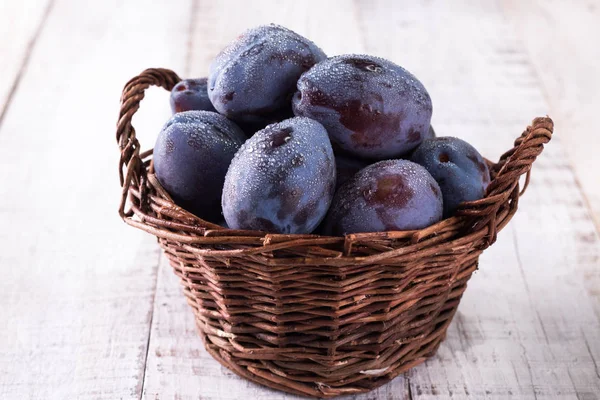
[90,309]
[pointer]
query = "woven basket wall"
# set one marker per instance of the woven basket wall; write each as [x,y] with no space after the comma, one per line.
[313,315]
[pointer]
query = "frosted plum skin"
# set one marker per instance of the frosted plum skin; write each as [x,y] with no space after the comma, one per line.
[371,107]
[281,180]
[191,94]
[391,195]
[253,79]
[191,157]
[459,169]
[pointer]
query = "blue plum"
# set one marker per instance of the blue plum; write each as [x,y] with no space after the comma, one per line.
[282,179]
[191,157]
[191,94]
[458,168]
[391,195]
[371,107]
[254,78]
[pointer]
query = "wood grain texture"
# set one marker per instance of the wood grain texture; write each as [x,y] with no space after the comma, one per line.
[20,26]
[506,342]
[561,38]
[77,285]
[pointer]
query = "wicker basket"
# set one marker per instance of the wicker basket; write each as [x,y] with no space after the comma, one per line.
[314,315]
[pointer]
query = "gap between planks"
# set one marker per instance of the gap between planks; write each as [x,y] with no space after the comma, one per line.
[152,308]
[25,61]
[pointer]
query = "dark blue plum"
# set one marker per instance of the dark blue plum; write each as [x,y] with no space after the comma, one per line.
[282,179]
[391,195]
[371,107]
[191,157]
[190,94]
[254,78]
[346,167]
[459,169]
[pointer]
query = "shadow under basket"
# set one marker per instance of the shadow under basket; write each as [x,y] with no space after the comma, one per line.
[315,315]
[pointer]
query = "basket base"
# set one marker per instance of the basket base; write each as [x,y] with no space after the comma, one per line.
[260,373]
[323,343]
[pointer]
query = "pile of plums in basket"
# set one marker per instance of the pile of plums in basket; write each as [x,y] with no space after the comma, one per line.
[283,139]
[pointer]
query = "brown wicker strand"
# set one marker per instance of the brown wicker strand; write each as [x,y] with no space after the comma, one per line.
[132,95]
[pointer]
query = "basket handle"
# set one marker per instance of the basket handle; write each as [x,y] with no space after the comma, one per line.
[509,169]
[131,167]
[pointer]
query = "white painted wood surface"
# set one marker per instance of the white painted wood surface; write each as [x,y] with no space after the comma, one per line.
[88,312]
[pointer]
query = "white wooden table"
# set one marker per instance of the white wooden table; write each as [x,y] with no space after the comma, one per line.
[89,308]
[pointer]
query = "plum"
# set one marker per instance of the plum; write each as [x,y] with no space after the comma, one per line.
[254,78]
[282,179]
[389,195]
[191,157]
[191,94]
[458,168]
[371,107]
[346,167]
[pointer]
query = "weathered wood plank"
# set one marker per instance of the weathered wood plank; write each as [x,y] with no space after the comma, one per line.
[20,25]
[77,284]
[561,39]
